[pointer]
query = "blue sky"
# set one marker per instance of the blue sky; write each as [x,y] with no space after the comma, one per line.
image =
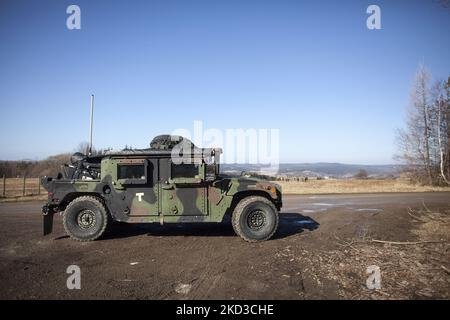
[336,90]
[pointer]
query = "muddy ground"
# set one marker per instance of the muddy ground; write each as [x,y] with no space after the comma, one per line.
[321,251]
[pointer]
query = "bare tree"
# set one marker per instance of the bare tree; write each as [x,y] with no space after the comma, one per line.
[420,104]
[424,144]
[446,111]
[361,174]
[441,107]
[438,132]
[82,147]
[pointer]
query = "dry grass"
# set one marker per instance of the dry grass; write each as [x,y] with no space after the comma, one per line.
[14,187]
[42,197]
[14,190]
[408,271]
[415,271]
[354,186]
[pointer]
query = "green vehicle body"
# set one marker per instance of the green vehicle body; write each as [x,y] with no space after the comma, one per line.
[150,185]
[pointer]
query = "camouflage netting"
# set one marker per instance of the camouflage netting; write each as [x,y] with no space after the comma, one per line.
[161,144]
[168,142]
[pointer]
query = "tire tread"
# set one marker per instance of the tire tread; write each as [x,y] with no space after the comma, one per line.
[98,202]
[240,209]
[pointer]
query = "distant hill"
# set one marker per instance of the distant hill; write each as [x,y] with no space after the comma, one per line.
[51,166]
[320,169]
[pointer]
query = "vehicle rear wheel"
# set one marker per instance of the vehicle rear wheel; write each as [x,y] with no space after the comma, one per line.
[255,219]
[85,218]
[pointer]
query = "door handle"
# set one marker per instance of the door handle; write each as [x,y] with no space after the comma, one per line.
[167,187]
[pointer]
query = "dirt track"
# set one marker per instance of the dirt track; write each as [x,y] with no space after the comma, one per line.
[208,261]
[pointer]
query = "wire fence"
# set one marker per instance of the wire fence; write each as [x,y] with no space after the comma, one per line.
[20,187]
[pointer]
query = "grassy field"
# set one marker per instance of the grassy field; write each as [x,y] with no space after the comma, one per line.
[14,188]
[354,186]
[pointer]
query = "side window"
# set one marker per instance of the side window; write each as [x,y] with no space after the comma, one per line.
[130,171]
[184,170]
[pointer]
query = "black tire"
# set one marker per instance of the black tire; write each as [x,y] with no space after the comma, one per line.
[255,219]
[86,218]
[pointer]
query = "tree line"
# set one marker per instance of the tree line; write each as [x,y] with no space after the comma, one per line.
[424,143]
[39,168]
[48,167]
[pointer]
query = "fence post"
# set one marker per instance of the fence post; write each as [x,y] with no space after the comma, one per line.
[39,186]
[24,179]
[4,185]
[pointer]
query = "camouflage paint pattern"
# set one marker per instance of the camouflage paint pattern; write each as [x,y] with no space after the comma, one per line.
[159,198]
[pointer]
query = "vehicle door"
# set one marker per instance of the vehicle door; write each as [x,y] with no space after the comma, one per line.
[137,186]
[183,189]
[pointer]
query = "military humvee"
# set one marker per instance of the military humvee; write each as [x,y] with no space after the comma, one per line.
[173,181]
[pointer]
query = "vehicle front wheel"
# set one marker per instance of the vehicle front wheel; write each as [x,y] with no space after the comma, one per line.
[255,219]
[85,218]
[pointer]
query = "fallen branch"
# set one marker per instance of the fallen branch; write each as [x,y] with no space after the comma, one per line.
[410,212]
[345,244]
[424,205]
[434,251]
[445,269]
[407,242]
[429,214]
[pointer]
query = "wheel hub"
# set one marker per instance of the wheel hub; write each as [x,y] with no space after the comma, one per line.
[256,219]
[86,219]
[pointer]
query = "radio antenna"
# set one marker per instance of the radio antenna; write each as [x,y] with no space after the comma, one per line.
[91,124]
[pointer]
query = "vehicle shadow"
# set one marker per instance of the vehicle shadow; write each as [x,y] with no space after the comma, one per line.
[290,224]
[125,230]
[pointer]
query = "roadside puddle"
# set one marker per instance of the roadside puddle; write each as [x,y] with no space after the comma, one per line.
[369,210]
[312,211]
[304,222]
